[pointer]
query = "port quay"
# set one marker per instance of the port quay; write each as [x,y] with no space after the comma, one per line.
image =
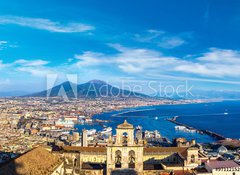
[210,133]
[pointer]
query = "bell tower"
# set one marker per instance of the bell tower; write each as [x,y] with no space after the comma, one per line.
[192,158]
[125,134]
[124,154]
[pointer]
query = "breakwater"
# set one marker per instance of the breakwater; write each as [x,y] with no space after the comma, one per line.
[127,112]
[210,133]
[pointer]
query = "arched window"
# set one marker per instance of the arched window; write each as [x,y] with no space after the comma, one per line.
[75,162]
[192,158]
[118,159]
[124,139]
[131,163]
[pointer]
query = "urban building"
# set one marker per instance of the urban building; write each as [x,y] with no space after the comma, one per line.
[126,155]
[84,138]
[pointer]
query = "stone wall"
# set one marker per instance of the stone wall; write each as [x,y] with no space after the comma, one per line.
[92,172]
[156,172]
[94,158]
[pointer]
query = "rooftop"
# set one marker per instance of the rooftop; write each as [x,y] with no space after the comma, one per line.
[85,149]
[125,125]
[157,150]
[38,161]
[222,164]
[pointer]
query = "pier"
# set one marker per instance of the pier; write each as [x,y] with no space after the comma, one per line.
[210,133]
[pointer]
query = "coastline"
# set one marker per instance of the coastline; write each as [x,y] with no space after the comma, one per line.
[126,112]
[135,108]
[131,109]
[210,133]
[174,102]
[140,110]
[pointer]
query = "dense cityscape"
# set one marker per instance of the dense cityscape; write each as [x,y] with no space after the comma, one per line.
[47,126]
[28,122]
[113,87]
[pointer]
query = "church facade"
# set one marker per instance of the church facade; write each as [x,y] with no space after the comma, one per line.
[126,155]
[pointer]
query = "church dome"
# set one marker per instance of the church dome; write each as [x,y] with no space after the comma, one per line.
[125,125]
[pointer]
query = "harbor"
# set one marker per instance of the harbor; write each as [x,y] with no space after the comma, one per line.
[190,128]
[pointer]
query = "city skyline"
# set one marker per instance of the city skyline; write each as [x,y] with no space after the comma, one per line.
[137,41]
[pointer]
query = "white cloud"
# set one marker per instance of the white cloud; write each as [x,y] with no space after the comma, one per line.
[3,65]
[34,67]
[149,35]
[218,63]
[3,44]
[221,56]
[215,63]
[171,42]
[6,44]
[90,59]
[36,71]
[31,62]
[127,59]
[46,24]
[163,39]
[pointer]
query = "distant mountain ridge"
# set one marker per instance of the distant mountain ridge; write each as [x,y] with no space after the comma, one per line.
[91,89]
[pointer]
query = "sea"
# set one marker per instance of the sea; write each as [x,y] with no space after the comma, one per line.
[220,117]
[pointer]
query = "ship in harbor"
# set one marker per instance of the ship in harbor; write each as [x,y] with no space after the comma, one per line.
[106,130]
[91,132]
[61,123]
[184,129]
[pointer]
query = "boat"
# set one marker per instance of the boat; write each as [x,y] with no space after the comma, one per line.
[106,130]
[80,121]
[175,118]
[65,132]
[181,128]
[156,118]
[191,130]
[64,123]
[184,129]
[226,112]
[91,131]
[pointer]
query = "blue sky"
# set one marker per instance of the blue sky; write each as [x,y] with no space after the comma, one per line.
[133,41]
